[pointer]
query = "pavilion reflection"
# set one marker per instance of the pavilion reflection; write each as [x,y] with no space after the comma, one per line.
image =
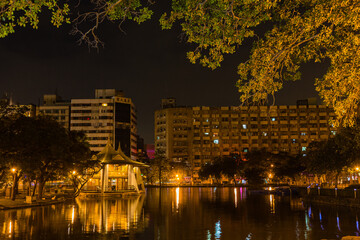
[109,215]
[124,216]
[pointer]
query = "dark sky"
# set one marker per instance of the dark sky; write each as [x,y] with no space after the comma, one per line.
[146,63]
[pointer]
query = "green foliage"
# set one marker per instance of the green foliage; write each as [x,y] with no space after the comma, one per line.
[159,169]
[127,9]
[227,166]
[41,149]
[26,13]
[298,31]
[217,27]
[256,167]
[286,166]
[335,154]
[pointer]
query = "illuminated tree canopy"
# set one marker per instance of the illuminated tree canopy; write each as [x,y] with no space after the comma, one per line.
[298,31]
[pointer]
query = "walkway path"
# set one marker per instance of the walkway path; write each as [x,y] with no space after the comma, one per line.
[19,202]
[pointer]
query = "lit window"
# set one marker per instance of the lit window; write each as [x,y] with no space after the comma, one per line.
[206,133]
[273,119]
[265,134]
[245,150]
[303,149]
[303,133]
[294,140]
[216,141]
[104,104]
[333,132]
[244,126]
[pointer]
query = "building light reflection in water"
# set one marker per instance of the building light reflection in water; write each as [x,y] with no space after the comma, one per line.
[272,203]
[320,219]
[338,221]
[73,215]
[235,196]
[177,198]
[357,223]
[217,230]
[208,235]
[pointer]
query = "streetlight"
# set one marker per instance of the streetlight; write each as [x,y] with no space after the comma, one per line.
[74,172]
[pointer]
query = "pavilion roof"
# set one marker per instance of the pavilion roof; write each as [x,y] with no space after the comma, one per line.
[110,156]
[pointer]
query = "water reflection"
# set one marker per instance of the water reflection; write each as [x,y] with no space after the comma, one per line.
[68,221]
[105,216]
[182,213]
[272,203]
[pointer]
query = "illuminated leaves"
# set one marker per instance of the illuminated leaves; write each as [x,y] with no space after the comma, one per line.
[299,31]
[26,12]
[217,27]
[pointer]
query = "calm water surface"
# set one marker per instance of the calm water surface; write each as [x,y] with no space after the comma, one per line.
[182,213]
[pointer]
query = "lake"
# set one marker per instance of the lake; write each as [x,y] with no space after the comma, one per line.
[182,214]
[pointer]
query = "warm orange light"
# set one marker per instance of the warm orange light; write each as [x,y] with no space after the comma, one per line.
[13,170]
[177,175]
[104,104]
[74,172]
[270,175]
[272,165]
[357,168]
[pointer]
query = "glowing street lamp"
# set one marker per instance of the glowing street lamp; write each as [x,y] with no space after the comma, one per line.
[13,170]
[74,172]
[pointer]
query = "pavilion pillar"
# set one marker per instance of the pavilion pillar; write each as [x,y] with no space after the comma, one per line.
[132,179]
[104,178]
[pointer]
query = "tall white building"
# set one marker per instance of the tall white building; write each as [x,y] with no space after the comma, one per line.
[109,115]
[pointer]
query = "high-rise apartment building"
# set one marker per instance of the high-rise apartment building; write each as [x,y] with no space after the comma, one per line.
[196,135]
[109,116]
[55,107]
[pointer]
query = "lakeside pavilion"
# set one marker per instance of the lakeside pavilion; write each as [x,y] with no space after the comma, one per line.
[119,173]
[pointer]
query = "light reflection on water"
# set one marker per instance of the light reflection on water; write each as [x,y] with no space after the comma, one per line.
[182,213]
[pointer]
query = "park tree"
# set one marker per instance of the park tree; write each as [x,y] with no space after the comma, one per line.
[288,34]
[256,167]
[332,156]
[210,169]
[159,169]
[40,149]
[82,167]
[228,166]
[285,166]
[285,35]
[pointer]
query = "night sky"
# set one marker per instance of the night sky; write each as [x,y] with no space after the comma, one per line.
[148,64]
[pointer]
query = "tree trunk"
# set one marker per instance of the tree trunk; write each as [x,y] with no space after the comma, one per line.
[337,179]
[14,187]
[40,189]
[34,191]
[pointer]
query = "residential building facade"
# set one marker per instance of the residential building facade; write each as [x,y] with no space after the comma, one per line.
[55,107]
[109,116]
[195,135]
